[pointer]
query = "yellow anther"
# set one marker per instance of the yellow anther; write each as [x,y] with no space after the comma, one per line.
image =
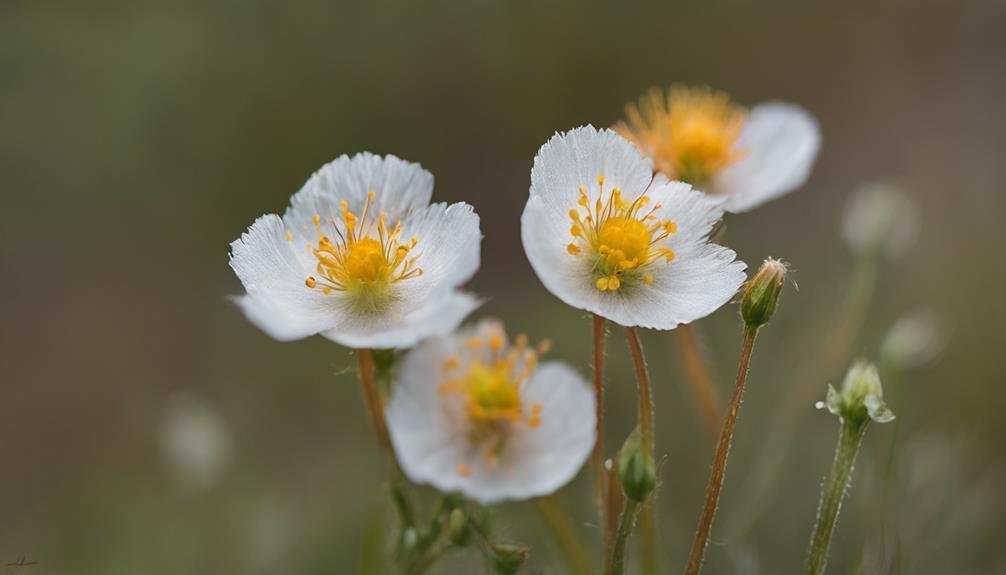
[648,279]
[573,249]
[496,342]
[464,471]
[289,236]
[310,282]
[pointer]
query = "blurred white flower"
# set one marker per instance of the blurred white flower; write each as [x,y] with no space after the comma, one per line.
[861,396]
[195,442]
[699,136]
[607,236]
[880,218]
[915,339]
[361,257]
[475,413]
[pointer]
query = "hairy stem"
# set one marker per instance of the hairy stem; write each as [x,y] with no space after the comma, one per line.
[850,437]
[645,393]
[372,396]
[697,554]
[617,561]
[597,455]
[648,536]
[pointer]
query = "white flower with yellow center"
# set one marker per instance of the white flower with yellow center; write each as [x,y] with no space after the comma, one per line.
[699,136]
[477,414]
[607,236]
[361,257]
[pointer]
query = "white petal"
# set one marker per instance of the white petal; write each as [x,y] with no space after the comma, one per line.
[549,456]
[576,158]
[424,437]
[431,443]
[449,244]
[701,278]
[441,314]
[277,301]
[399,186]
[781,141]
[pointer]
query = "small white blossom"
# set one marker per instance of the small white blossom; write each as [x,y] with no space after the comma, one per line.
[880,218]
[699,136]
[361,257]
[475,413]
[607,236]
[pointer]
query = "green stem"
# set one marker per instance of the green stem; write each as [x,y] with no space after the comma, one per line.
[697,554]
[832,492]
[616,564]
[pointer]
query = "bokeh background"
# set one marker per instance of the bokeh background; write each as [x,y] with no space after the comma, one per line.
[138,138]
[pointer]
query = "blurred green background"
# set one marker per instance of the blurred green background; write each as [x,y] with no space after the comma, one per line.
[137,139]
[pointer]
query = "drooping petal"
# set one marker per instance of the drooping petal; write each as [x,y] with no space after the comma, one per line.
[781,142]
[277,301]
[576,158]
[440,315]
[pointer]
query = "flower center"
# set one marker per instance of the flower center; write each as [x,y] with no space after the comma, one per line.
[691,134]
[490,383]
[359,262]
[622,239]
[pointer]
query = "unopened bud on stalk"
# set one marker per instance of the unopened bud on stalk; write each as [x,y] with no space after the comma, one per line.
[506,558]
[861,397]
[636,469]
[457,527]
[761,294]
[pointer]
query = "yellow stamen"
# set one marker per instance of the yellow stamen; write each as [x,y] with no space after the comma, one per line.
[691,133]
[621,238]
[357,262]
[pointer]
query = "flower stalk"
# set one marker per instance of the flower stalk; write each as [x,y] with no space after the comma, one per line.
[597,455]
[645,393]
[697,554]
[850,437]
[372,399]
[616,565]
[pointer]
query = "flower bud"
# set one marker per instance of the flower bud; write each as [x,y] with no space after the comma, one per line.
[636,469]
[761,294]
[457,527]
[506,558]
[861,397]
[880,218]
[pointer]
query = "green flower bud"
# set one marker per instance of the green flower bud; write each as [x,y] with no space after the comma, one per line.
[761,294]
[457,527]
[636,469]
[506,558]
[861,397]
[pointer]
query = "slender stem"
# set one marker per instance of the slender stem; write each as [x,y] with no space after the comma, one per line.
[648,536]
[697,370]
[555,516]
[617,562]
[850,437]
[645,393]
[601,492]
[597,457]
[372,396]
[613,502]
[701,540]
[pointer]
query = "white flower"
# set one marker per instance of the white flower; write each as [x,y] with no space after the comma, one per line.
[361,257]
[606,236]
[698,136]
[195,442]
[861,396]
[880,217]
[476,414]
